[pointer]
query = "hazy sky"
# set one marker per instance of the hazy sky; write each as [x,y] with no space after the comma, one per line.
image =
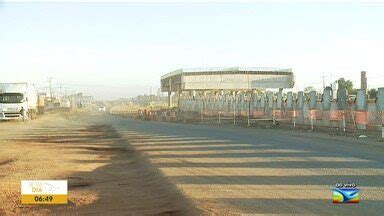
[121,49]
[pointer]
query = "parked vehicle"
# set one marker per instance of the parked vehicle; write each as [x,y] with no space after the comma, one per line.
[17,101]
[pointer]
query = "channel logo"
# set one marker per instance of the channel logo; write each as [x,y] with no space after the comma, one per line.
[345,193]
[44,191]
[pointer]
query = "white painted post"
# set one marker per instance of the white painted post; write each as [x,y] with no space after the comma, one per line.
[234,110]
[202,113]
[312,121]
[219,101]
[249,107]
[234,114]
[382,125]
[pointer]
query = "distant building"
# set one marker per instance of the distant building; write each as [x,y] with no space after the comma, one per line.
[236,78]
[79,100]
[226,79]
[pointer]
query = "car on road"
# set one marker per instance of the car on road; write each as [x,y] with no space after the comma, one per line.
[102,109]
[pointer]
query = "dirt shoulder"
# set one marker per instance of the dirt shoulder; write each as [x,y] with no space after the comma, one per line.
[106,175]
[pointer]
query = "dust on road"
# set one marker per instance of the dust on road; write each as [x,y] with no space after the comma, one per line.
[106,176]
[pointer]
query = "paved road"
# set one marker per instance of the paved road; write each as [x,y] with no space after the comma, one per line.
[222,170]
[262,171]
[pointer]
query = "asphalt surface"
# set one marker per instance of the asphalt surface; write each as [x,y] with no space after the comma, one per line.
[234,170]
[116,165]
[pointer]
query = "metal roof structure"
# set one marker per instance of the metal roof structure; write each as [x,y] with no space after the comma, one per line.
[233,70]
[227,78]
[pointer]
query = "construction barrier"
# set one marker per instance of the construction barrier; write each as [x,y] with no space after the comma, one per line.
[311,110]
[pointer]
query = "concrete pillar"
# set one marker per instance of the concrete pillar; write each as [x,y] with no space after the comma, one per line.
[289,101]
[279,100]
[300,100]
[334,115]
[169,92]
[380,108]
[326,106]
[380,99]
[361,109]
[255,103]
[262,103]
[300,107]
[312,105]
[178,95]
[342,96]
[169,99]
[327,97]
[241,103]
[312,100]
[270,102]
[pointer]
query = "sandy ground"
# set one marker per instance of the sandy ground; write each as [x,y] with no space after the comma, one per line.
[106,176]
[119,166]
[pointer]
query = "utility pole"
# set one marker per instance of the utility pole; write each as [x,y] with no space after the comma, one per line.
[323,81]
[50,86]
[60,92]
[150,94]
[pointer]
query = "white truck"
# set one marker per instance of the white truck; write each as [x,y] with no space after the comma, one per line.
[17,96]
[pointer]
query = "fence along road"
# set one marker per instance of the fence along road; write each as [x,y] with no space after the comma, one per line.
[330,110]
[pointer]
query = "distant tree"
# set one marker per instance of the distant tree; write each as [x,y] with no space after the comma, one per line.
[346,84]
[372,93]
[309,88]
[259,91]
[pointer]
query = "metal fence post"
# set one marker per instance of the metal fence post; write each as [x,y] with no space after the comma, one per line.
[234,110]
